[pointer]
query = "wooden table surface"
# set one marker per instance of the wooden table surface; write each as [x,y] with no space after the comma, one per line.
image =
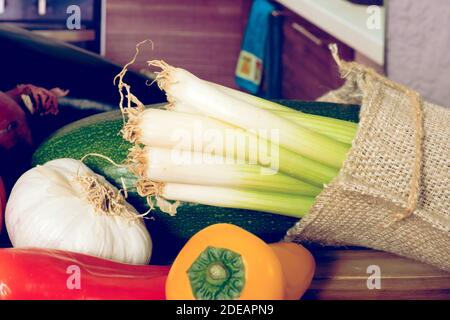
[344,274]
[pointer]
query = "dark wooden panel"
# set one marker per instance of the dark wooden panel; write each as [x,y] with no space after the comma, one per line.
[203,36]
[309,71]
[342,274]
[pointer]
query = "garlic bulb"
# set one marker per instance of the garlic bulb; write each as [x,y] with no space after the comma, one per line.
[64,205]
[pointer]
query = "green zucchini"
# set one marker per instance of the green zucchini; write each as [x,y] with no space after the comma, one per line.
[100,134]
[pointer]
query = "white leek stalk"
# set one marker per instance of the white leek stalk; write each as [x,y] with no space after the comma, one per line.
[177,166]
[163,128]
[340,130]
[278,203]
[181,85]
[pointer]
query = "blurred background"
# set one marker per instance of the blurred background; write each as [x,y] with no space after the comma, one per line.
[405,39]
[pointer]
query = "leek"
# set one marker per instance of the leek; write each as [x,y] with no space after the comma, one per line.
[221,147]
[340,130]
[239,198]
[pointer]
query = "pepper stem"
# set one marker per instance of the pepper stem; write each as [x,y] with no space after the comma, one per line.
[217,274]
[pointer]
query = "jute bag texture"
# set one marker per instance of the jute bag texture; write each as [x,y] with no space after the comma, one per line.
[393,191]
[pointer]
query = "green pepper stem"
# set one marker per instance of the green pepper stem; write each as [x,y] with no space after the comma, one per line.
[217,274]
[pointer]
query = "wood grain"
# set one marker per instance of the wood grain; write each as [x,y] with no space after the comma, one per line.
[342,274]
[203,36]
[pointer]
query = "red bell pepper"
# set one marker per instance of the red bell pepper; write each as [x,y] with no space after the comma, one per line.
[41,274]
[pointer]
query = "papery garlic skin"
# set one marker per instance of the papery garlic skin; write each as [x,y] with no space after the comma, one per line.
[49,208]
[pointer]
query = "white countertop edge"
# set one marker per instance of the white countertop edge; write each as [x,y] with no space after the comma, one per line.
[369,43]
[103,28]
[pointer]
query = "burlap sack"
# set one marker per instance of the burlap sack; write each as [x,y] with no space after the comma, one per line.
[393,191]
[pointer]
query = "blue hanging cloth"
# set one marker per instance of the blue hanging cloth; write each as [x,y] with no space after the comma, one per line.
[258,67]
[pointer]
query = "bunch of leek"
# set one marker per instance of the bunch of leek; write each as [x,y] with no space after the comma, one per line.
[202,148]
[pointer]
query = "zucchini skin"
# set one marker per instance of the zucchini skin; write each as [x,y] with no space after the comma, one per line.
[101,134]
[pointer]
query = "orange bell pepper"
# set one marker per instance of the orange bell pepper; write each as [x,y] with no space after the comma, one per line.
[224,262]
